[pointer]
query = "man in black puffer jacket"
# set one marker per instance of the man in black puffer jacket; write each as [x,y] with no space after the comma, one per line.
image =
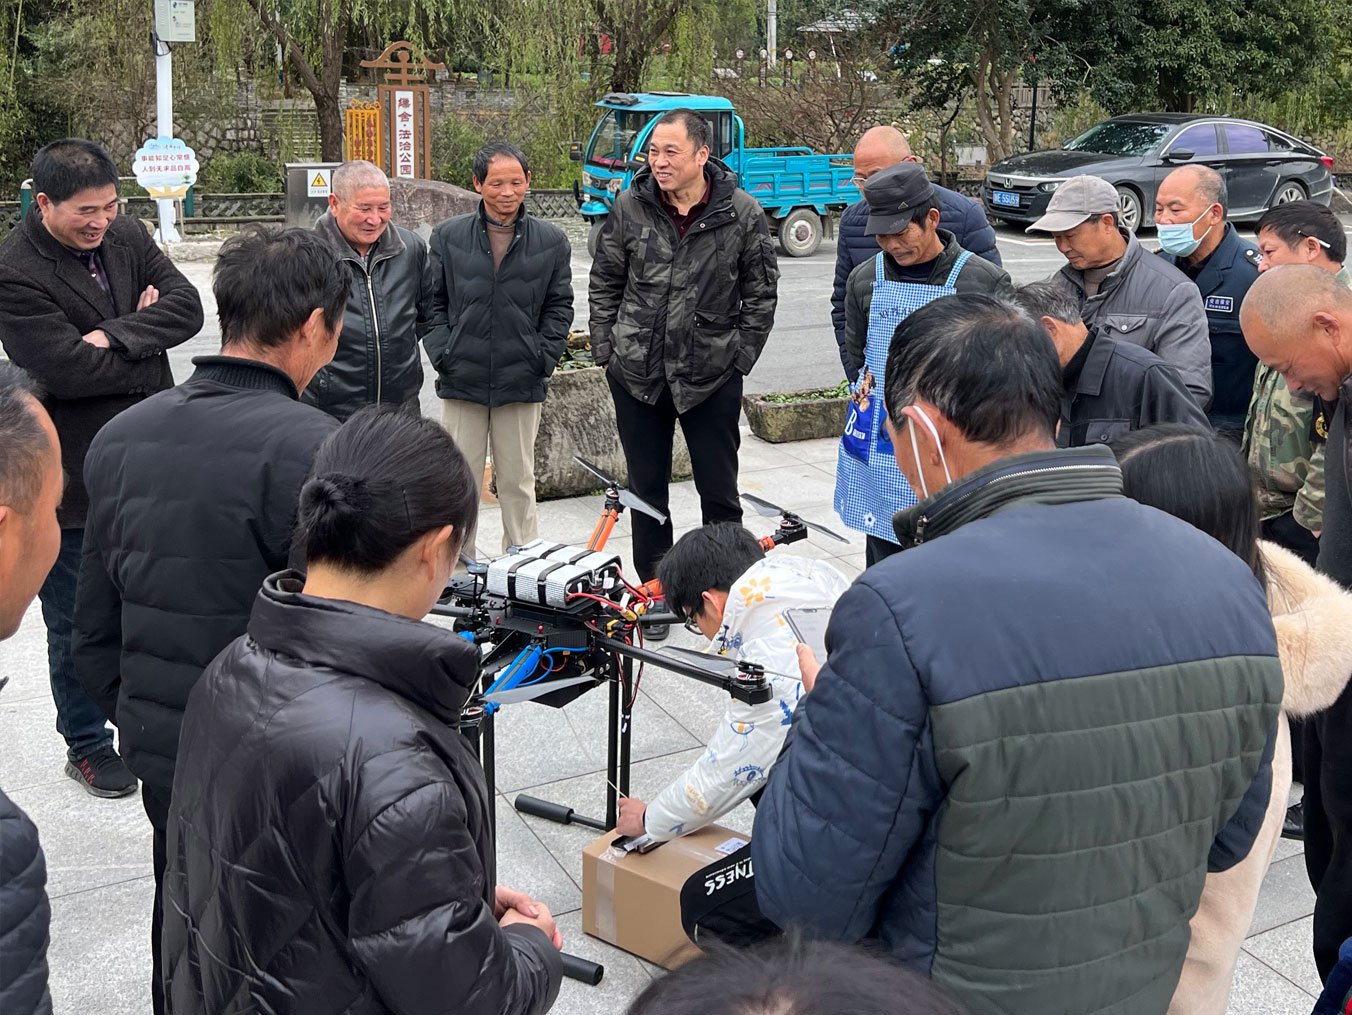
[30,538]
[502,303]
[878,148]
[192,500]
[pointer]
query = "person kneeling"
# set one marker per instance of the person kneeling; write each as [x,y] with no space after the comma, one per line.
[330,839]
[720,580]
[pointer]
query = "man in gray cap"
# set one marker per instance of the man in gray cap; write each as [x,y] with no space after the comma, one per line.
[1128,294]
[918,262]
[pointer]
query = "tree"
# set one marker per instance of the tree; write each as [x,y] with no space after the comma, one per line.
[315,36]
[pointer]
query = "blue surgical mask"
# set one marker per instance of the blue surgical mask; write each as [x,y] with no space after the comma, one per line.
[1177,239]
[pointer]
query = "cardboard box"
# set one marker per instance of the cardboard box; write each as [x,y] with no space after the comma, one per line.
[633,900]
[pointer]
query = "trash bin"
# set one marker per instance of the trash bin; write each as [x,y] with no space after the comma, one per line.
[308,186]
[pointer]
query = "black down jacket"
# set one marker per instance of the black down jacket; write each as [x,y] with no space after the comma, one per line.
[24,915]
[330,847]
[378,360]
[495,336]
[193,499]
[682,312]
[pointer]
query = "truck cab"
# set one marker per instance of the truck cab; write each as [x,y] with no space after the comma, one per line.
[799,189]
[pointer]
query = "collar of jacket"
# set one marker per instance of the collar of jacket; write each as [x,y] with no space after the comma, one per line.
[49,246]
[390,244]
[1129,259]
[1059,476]
[721,181]
[1344,392]
[238,372]
[943,264]
[516,223]
[430,666]
[1094,367]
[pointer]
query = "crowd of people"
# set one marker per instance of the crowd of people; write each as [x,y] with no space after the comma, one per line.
[1046,759]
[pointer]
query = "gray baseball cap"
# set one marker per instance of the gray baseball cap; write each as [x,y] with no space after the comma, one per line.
[894,195]
[1078,199]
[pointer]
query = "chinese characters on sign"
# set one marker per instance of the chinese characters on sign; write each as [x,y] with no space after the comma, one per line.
[165,167]
[405,144]
[403,98]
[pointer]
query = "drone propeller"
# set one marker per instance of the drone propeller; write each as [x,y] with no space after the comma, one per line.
[769,510]
[715,665]
[513,695]
[628,499]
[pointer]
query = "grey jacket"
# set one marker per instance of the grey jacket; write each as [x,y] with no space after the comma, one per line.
[387,306]
[1150,303]
[682,312]
[977,276]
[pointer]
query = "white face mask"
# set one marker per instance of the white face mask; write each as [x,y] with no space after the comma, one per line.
[915,449]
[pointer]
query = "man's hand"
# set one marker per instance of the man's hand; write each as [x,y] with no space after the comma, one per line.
[808,666]
[97,338]
[511,906]
[148,298]
[632,810]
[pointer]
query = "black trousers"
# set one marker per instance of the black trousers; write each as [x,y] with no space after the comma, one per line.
[1285,531]
[646,434]
[1328,827]
[876,549]
[156,802]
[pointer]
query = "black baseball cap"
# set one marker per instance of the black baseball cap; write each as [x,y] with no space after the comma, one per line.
[895,195]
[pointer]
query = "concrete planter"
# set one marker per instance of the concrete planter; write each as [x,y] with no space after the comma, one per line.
[779,422]
[578,418]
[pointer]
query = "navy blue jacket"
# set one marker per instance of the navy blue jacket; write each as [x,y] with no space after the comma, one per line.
[959,214]
[1223,282]
[1012,774]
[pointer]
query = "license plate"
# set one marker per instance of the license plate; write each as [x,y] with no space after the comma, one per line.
[1005,198]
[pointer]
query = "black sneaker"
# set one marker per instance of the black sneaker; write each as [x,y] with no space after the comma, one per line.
[656,632]
[102,774]
[1294,825]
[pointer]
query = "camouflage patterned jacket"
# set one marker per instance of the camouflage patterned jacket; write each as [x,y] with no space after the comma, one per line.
[1284,443]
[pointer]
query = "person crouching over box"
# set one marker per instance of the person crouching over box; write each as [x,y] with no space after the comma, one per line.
[721,582]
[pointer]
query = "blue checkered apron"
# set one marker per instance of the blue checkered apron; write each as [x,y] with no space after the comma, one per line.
[869,493]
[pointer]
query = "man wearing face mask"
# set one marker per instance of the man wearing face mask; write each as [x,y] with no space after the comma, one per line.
[1190,210]
[997,769]
[919,261]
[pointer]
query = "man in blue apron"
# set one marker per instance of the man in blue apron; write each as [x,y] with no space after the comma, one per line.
[918,262]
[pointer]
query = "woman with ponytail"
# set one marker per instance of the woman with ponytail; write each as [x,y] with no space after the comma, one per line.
[330,842]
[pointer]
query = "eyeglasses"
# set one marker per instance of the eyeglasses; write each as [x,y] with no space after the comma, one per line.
[859,181]
[690,623]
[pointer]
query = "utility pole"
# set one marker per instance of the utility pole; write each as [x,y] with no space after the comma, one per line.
[164,127]
[772,31]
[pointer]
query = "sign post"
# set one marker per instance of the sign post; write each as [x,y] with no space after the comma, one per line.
[403,99]
[175,21]
[166,168]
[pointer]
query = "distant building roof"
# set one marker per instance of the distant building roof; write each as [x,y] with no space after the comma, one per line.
[848,20]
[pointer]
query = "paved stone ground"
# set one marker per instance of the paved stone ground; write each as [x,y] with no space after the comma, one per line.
[98,851]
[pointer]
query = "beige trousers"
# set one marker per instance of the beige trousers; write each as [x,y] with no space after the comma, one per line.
[510,430]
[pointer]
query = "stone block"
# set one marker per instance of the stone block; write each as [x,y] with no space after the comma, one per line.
[578,418]
[421,204]
[778,422]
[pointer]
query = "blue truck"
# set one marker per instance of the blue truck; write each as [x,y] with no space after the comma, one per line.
[799,189]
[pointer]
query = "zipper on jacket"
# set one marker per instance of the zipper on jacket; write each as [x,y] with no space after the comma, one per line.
[375,324]
[945,505]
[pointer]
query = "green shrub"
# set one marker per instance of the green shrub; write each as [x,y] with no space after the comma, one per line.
[454,142]
[241,173]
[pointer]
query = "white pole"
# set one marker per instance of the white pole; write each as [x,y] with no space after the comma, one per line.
[164,116]
[772,31]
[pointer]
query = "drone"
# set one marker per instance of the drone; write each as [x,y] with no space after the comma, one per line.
[555,620]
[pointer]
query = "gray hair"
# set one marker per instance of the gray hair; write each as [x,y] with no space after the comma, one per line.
[1210,185]
[484,157]
[1048,299]
[357,175]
